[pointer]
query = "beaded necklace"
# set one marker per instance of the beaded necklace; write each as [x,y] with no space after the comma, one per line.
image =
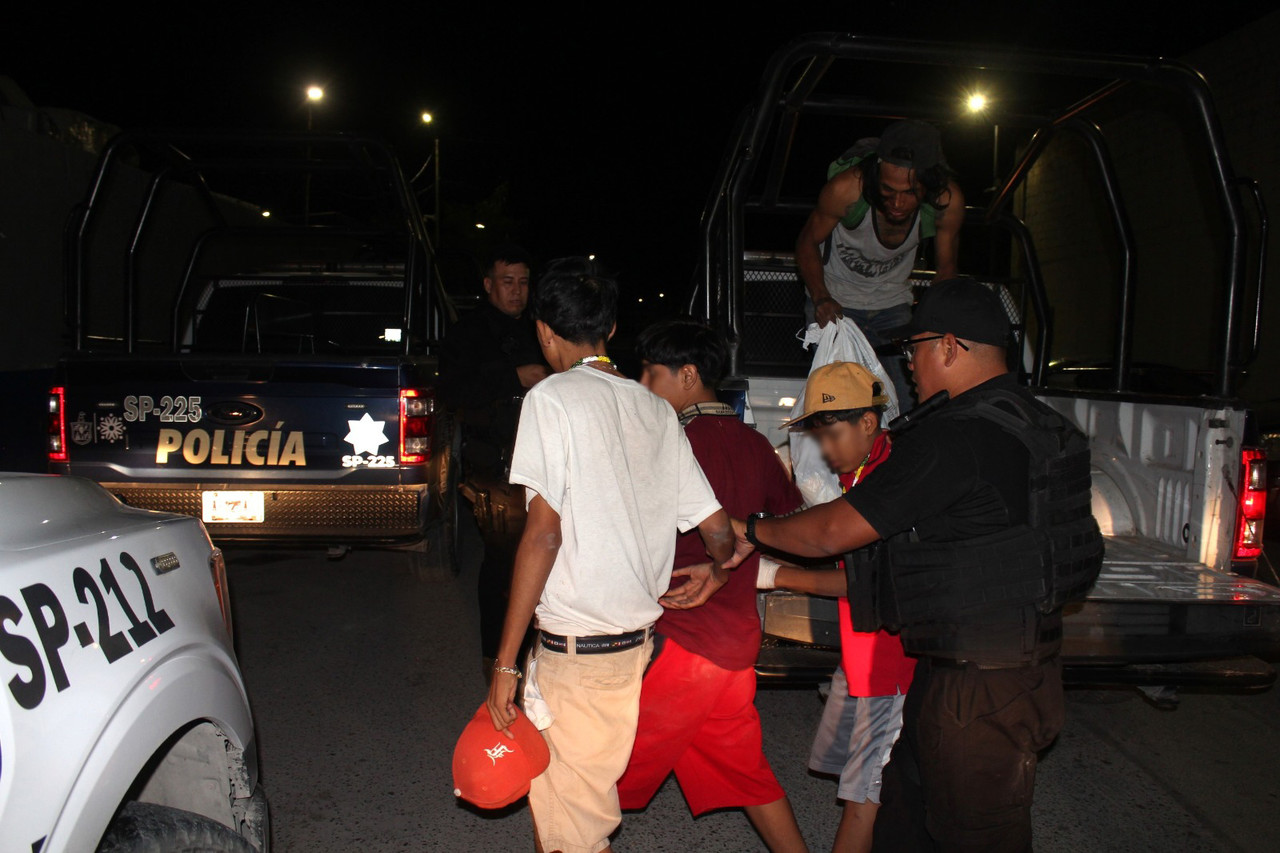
[603,359]
[857,475]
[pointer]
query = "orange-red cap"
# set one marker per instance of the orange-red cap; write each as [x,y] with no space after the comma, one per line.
[492,770]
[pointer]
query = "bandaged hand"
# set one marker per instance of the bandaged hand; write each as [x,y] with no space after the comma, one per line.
[768,575]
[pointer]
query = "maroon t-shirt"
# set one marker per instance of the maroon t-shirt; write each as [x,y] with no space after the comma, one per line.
[747,476]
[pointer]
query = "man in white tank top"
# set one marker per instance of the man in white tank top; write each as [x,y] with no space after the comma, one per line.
[856,251]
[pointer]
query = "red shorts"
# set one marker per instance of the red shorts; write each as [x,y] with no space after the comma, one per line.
[700,721]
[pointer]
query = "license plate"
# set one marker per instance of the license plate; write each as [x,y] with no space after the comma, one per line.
[233,507]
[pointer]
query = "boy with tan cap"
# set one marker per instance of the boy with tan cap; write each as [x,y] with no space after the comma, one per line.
[842,407]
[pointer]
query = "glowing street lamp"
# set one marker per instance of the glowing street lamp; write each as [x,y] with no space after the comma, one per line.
[315,94]
[976,102]
[427,119]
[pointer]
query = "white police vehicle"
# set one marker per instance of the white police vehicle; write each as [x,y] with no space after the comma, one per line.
[124,723]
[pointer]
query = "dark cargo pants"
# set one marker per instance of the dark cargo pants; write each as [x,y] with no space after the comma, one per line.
[962,773]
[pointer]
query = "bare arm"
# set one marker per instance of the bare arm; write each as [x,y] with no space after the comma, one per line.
[705,579]
[717,535]
[946,243]
[535,556]
[825,530]
[839,194]
[829,582]
[532,374]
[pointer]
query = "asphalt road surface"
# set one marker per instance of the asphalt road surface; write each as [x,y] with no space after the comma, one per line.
[362,672]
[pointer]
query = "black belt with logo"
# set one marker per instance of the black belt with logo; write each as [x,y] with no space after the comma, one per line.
[597,644]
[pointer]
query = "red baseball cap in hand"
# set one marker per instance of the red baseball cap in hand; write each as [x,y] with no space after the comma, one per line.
[491,770]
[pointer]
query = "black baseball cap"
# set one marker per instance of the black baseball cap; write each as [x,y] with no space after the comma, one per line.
[912,145]
[962,306]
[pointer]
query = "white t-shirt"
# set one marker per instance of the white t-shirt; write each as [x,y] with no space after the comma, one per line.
[610,457]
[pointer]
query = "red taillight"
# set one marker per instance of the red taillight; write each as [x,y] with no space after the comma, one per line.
[57,440]
[417,413]
[1252,507]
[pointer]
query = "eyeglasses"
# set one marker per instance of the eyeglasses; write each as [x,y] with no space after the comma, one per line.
[909,345]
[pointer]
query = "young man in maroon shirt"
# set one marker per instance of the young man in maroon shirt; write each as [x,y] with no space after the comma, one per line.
[697,702]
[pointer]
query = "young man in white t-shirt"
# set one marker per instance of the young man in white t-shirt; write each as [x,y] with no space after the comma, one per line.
[610,477]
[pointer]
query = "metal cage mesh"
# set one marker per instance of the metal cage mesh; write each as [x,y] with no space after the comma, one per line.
[773,319]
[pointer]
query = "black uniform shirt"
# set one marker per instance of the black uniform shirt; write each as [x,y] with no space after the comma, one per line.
[948,478]
[480,356]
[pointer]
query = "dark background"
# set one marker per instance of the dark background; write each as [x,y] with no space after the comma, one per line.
[585,129]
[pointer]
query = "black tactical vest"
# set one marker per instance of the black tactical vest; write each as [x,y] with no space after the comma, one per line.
[995,598]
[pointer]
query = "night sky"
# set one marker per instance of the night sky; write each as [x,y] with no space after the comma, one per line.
[605,122]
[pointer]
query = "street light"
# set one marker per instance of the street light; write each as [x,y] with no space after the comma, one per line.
[427,119]
[976,102]
[315,94]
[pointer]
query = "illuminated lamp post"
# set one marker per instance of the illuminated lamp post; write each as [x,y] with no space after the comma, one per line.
[315,94]
[427,119]
[976,103]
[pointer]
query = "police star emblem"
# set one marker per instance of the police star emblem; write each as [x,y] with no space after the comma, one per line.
[366,435]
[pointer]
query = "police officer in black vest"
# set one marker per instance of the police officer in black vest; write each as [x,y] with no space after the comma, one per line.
[979,527]
[490,358]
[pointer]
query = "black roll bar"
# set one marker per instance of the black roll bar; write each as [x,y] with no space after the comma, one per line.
[820,49]
[1251,186]
[364,155]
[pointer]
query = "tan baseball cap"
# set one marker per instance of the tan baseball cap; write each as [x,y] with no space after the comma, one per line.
[838,387]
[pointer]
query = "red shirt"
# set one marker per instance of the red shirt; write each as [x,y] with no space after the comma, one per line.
[746,476]
[874,663]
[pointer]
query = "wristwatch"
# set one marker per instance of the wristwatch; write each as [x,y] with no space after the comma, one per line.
[751,526]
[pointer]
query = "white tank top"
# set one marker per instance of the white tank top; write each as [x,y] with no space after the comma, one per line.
[862,273]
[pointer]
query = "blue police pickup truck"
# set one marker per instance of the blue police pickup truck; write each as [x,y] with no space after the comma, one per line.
[251,320]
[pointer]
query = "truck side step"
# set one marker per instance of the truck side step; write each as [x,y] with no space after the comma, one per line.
[1242,673]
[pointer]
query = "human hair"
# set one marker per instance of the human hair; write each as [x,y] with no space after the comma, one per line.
[818,419]
[934,179]
[577,299]
[675,343]
[507,253]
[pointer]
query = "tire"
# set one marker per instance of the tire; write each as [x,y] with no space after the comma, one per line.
[444,532]
[148,828]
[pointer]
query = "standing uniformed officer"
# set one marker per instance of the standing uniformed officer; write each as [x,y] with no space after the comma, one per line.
[982,527]
[490,358]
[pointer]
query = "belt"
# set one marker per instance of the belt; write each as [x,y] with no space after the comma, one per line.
[598,644]
[953,663]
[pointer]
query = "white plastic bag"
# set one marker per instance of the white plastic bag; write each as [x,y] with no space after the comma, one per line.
[840,340]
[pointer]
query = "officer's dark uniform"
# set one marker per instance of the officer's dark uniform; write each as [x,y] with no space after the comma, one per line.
[961,502]
[478,382]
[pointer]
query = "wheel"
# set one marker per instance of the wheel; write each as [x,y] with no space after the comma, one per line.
[444,532]
[148,828]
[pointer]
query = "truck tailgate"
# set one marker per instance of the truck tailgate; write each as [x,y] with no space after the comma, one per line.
[1152,604]
[254,447]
